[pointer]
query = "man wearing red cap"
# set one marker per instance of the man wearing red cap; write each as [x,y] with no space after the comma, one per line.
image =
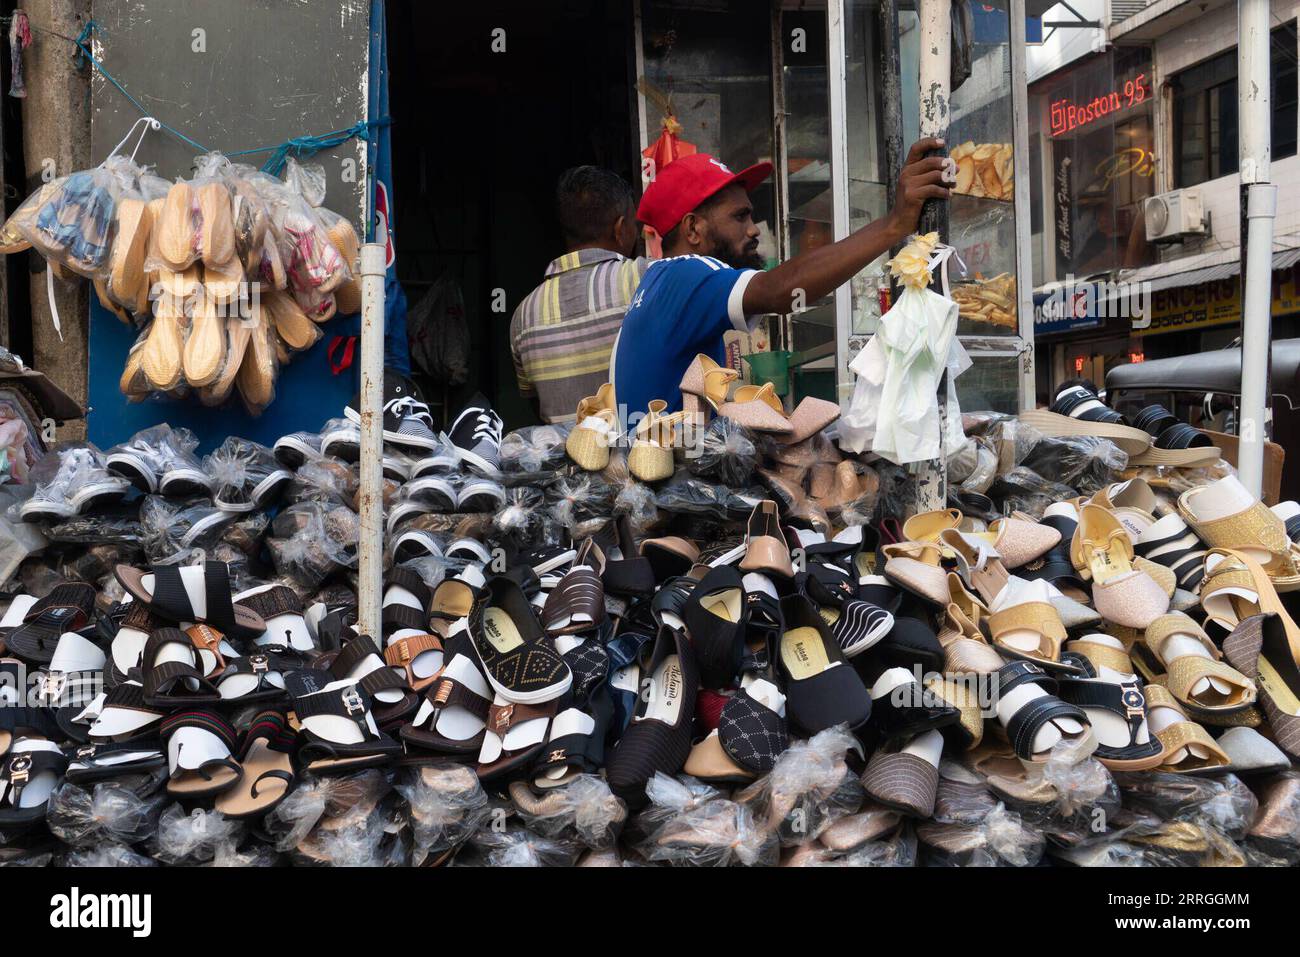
[709,280]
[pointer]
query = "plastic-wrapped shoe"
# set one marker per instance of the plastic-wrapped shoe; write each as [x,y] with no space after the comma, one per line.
[294,449]
[80,483]
[183,474]
[341,438]
[144,458]
[246,475]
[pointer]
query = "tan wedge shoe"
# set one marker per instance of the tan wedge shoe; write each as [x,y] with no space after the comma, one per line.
[705,384]
[766,549]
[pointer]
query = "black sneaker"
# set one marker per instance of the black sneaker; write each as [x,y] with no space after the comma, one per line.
[407,420]
[341,439]
[476,433]
[294,449]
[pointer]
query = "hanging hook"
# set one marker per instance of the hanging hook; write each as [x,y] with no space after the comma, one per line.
[150,124]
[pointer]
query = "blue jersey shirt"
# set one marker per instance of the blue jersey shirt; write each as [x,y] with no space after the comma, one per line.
[681,308]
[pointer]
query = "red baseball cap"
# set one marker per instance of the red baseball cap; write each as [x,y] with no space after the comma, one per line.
[688,181]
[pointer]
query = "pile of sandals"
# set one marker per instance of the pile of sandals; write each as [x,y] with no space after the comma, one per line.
[777,687]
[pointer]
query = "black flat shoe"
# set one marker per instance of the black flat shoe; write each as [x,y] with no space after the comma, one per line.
[821,688]
[659,735]
[716,616]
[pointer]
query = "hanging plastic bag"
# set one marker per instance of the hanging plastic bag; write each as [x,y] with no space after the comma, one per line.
[896,412]
[439,334]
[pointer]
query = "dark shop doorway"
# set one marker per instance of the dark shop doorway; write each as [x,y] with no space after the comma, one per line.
[480,136]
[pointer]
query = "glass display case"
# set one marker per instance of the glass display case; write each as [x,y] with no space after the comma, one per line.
[808,84]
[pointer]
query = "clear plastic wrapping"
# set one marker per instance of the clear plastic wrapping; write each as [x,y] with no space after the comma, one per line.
[1022,489]
[170,528]
[1001,839]
[70,220]
[342,799]
[1082,461]
[809,787]
[719,833]
[514,846]
[581,504]
[107,855]
[1223,803]
[103,813]
[310,541]
[522,514]
[193,837]
[446,805]
[323,480]
[584,809]
[725,452]
[536,448]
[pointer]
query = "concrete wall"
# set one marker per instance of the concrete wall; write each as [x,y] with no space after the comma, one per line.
[1186,46]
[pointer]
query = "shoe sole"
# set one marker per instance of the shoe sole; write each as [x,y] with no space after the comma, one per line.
[395,437]
[478,551]
[536,697]
[349,442]
[98,494]
[1132,441]
[428,546]
[301,450]
[564,558]
[479,464]
[189,479]
[133,468]
[201,526]
[494,492]
[38,510]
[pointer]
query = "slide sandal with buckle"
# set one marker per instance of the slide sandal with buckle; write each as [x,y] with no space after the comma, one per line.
[199,746]
[337,731]
[99,762]
[1111,696]
[1035,719]
[453,713]
[266,757]
[194,593]
[514,737]
[31,771]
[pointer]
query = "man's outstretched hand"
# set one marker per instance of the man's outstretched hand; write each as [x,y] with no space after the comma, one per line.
[923,177]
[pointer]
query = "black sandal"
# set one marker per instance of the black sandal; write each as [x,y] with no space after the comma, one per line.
[1023,726]
[175,684]
[68,607]
[170,600]
[317,694]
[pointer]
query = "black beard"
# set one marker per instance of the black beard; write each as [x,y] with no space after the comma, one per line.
[742,260]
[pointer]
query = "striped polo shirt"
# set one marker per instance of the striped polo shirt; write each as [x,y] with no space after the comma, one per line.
[562,334]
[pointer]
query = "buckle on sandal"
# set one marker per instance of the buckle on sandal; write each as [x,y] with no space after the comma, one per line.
[443,693]
[352,702]
[501,719]
[86,751]
[259,663]
[1134,701]
[19,767]
[403,651]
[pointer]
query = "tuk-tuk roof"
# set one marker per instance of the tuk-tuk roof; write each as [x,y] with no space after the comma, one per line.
[1218,371]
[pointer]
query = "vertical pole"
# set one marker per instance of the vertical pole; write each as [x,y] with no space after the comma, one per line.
[1020,165]
[930,486]
[836,78]
[370,572]
[781,161]
[1259,201]
[891,97]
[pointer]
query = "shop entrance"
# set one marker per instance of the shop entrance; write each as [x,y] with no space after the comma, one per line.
[482,129]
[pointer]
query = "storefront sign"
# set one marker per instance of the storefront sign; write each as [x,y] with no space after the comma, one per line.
[1067,115]
[1063,195]
[1058,312]
[1214,304]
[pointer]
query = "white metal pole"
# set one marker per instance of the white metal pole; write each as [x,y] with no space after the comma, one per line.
[837,77]
[1259,200]
[370,571]
[1022,172]
[930,487]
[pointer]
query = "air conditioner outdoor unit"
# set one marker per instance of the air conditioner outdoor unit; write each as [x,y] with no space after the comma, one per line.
[1173,216]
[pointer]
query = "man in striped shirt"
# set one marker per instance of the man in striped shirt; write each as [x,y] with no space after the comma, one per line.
[562,334]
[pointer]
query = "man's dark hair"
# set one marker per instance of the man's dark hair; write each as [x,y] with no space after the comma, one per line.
[701,210]
[588,200]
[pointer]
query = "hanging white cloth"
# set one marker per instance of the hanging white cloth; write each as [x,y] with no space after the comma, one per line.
[895,407]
